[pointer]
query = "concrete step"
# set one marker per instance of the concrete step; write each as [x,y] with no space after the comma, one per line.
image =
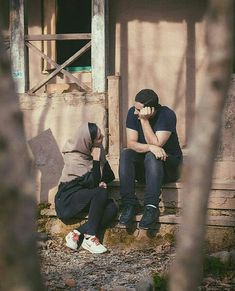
[222,195]
[220,233]
[220,222]
[223,169]
[212,220]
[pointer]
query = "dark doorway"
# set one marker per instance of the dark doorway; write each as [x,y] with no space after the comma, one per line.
[73,16]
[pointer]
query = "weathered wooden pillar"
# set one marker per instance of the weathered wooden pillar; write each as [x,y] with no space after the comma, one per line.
[114,128]
[17,45]
[99,45]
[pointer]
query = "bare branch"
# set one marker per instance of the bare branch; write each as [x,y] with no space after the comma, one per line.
[19,268]
[187,269]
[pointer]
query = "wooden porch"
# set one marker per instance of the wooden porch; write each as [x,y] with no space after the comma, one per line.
[19,42]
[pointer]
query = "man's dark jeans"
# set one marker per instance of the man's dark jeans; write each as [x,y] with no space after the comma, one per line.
[147,169]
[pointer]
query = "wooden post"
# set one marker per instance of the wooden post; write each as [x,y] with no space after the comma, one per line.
[114,114]
[114,140]
[17,46]
[49,27]
[98,45]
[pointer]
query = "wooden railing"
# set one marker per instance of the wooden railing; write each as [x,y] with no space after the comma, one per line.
[68,36]
[58,68]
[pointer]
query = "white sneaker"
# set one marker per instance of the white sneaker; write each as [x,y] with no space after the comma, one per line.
[72,239]
[92,244]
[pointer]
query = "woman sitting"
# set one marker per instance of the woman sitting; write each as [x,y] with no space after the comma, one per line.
[83,188]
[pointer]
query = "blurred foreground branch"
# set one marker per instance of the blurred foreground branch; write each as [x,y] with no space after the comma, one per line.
[187,270]
[19,267]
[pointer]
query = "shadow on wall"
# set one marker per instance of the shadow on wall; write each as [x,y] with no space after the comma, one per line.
[143,72]
[49,160]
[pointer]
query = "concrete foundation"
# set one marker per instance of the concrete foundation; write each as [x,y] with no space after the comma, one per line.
[217,238]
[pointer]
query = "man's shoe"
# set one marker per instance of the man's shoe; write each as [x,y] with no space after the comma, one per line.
[149,217]
[128,213]
[72,239]
[92,244]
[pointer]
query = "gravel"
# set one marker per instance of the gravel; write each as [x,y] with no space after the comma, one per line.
[118,269]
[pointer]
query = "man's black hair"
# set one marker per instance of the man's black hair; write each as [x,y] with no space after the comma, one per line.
[93,129]
[148,98]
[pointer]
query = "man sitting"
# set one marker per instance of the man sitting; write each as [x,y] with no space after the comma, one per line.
[153,156]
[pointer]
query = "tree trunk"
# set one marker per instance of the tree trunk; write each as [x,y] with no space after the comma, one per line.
[187,269]
[19,267]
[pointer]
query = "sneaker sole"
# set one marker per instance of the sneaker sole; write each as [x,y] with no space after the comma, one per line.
[67,245]
[144,228]
[89,250]
[150,226]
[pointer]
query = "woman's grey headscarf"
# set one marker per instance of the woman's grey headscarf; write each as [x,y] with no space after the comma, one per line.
[77,155]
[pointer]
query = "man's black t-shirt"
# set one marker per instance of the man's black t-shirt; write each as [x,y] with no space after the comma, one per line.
[163,120]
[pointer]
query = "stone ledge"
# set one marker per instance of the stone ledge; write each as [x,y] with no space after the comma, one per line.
[222,194]
[221,198]
[216,185]
[225,221]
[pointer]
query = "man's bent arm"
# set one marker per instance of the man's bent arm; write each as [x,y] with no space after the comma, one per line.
[132,142]
[158,139]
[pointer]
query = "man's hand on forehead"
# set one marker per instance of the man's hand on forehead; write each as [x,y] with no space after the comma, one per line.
[146,112]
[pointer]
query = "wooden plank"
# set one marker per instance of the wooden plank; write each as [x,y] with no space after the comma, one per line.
[98,52]
[114,115]
[219,199]
[51,37]
[17,47]
[49,27]
[223,185]
[106,30]
[227,221]
[222,221]
[216,185]
[66,63]
[53,63]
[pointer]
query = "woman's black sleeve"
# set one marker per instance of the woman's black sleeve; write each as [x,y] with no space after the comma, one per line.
[91,179]
[108,174]
[96,173]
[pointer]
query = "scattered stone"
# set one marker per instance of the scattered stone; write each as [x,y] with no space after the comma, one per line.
[145,285]
[70,282]
[223,256]
[128,270]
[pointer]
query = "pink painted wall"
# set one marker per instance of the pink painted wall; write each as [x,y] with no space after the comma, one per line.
[159,45]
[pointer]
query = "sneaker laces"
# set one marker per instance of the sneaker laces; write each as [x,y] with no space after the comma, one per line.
[149,211]
[75,236]
[126,208]
[95,240]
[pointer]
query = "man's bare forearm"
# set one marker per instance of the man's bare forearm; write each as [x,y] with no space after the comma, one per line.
[143,148]
[138,147]
[149,135]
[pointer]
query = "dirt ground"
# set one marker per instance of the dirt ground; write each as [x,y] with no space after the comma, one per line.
[120,270]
